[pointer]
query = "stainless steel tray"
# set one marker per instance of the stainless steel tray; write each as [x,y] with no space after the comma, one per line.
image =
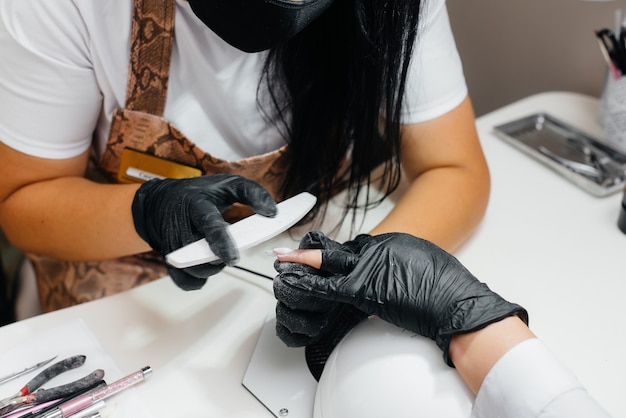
[585,161]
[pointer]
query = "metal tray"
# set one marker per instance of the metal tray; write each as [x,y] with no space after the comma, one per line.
[585,161]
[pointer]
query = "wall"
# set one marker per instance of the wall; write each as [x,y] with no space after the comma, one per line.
[512,49]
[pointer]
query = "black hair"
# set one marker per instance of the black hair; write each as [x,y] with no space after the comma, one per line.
[329,87]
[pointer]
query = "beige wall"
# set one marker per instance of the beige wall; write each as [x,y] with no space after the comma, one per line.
[512,49]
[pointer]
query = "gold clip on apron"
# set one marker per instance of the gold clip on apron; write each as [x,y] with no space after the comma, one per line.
[142,145]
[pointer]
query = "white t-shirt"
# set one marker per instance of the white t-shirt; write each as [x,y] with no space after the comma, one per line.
[64,65]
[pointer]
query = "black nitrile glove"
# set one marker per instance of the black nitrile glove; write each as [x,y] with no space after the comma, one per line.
[406,281]
[171,213]
[319,324]
[303,322]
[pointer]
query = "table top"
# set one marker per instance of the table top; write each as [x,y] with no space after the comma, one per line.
[544,243]
[556,250]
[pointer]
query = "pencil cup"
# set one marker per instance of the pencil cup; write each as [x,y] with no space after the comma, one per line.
[612,112]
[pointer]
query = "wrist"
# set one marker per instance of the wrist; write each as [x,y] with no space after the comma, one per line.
[475,353]
[139,207]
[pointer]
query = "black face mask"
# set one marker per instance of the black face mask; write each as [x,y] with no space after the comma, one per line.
[256,25]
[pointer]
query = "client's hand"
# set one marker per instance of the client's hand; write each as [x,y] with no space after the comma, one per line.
[303,319]
[404,280]
[171,213]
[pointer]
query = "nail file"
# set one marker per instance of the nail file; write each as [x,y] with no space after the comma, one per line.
[248,232]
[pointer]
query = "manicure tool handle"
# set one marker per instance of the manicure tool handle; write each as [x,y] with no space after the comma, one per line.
[53,405]
[52,371]
[44,395]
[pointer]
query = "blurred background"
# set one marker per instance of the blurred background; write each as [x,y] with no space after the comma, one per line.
[512,49]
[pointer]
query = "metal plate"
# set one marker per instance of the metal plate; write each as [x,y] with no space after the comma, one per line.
[580,158]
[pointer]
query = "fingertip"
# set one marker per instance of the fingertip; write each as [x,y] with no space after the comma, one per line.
[222,244]
[277,266]
[268,208]
[273,208]
[231,259]
[312,239]
[312,258]
[260,200]
[317,240]
[282,251]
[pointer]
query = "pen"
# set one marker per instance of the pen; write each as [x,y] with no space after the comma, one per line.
[73,406]
[612,52]
[89,411]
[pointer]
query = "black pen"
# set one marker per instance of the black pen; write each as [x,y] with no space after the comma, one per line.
[609,46]
[621,42]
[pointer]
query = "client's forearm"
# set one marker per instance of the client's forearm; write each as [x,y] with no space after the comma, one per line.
[475,353]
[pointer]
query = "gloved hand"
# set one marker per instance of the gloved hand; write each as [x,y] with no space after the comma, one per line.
[406,281]
[310,318]
[171,213]
[318,324]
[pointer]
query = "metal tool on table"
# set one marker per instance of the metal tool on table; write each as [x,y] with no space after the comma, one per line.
[15,375]
[31,394]
[580,158]
[578,167]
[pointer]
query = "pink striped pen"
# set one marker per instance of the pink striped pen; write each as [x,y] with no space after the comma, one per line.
[78,404]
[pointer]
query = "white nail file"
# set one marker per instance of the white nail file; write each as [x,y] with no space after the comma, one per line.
[248,232]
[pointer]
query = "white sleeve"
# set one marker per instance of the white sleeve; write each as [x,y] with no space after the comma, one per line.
[435,83]
[50,96]
[529,381]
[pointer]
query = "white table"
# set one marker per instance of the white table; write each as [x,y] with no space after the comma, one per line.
[544,243]
[556,250]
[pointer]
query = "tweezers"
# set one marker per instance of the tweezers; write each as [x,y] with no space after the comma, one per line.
[607,167]
[576,166]
[15,375]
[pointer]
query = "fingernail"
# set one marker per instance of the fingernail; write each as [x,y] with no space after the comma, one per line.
[282,251]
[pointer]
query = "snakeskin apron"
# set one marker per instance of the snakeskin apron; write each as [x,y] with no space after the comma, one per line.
[140,127]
